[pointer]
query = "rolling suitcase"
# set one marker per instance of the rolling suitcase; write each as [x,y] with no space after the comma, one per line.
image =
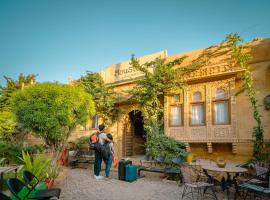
[122,168]
[131,173]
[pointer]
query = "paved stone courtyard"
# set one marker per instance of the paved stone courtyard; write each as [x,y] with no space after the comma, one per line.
[79,184]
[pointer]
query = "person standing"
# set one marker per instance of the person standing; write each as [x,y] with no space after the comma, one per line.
[108,162]
[102,137]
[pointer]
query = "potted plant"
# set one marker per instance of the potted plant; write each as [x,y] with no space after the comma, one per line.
[52,175]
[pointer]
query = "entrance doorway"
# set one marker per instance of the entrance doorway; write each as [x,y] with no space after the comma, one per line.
[134,137]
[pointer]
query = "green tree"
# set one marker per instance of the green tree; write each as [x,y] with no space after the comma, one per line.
[103,96]
[52,110]
[7,126]
[12,86]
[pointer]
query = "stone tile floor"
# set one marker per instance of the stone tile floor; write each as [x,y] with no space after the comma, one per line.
[79,184]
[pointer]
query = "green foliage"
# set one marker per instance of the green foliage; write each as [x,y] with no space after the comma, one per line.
[2,161]
[52,110]
[39,164]
[7,126]
[11,86]
[13,152]
[81,143]
[103,96]
[160,144]
[159,77]
[241,58]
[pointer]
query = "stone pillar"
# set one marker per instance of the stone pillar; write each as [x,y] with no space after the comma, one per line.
[209,147]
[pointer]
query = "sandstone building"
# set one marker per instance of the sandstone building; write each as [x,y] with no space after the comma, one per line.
[206,115]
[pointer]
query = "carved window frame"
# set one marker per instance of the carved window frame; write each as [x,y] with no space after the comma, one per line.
[216,100]
[179,104]
[197,102]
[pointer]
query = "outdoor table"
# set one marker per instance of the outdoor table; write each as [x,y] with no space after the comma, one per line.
[4,170]
[228,169]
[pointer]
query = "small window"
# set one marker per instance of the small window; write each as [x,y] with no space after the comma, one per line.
[197,110]
[220,94]
[221,108]
[175,99]
[175,115]
[197,96]
[221,112]
[175,111]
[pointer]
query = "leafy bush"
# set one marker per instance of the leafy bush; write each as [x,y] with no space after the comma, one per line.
[162,145]
[81,143]
[52,110]
[7,125]
[13,152]
[39,164]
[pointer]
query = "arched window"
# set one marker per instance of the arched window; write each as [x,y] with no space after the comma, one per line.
[220,93]
[175,111]
[197,96]
[197,109]
[221,108]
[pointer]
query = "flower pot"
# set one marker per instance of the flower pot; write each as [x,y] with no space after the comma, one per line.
[49,183]
[189,158]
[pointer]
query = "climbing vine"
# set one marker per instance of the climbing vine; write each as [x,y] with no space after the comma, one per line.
[241,58]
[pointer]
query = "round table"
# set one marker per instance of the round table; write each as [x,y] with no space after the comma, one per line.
[227,168]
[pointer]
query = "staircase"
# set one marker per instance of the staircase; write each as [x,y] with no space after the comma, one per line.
[128,143]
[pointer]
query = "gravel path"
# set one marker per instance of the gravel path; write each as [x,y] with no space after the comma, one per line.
[79,184]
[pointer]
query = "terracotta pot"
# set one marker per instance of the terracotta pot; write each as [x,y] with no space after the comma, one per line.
[49,183]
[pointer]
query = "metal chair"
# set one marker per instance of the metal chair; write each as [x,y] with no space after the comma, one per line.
[195,189]
[16,186]
[30,179]
[3,196]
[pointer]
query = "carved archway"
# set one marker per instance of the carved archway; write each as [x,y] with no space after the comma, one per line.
[133,133]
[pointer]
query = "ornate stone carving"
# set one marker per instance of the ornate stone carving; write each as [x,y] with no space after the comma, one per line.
[222,132]
[198,133]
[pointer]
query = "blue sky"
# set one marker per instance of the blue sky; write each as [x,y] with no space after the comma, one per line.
[60,38]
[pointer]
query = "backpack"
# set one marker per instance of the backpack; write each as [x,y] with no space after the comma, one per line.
[94,144]
[105,150]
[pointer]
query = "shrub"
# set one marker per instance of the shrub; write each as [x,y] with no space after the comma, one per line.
[13,152]
[52,110]
[7,126]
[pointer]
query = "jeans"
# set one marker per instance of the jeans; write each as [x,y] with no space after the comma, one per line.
[97,164]
[108,166]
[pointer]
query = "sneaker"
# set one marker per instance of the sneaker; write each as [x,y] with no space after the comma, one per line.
[98,177]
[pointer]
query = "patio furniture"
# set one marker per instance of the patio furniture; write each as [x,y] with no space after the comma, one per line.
[4,170]
[254,191]
[22,192]
[80,157]
[260,176]
[158,160]
[229,181]
[165,168]
[3,196]
[33,181]
[195,189]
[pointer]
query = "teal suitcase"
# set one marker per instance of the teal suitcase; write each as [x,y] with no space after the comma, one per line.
[131,173]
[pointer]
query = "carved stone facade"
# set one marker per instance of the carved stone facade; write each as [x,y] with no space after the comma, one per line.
[208,82]
[208,132]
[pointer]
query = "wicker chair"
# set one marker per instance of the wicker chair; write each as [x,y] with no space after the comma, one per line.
[195,189]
